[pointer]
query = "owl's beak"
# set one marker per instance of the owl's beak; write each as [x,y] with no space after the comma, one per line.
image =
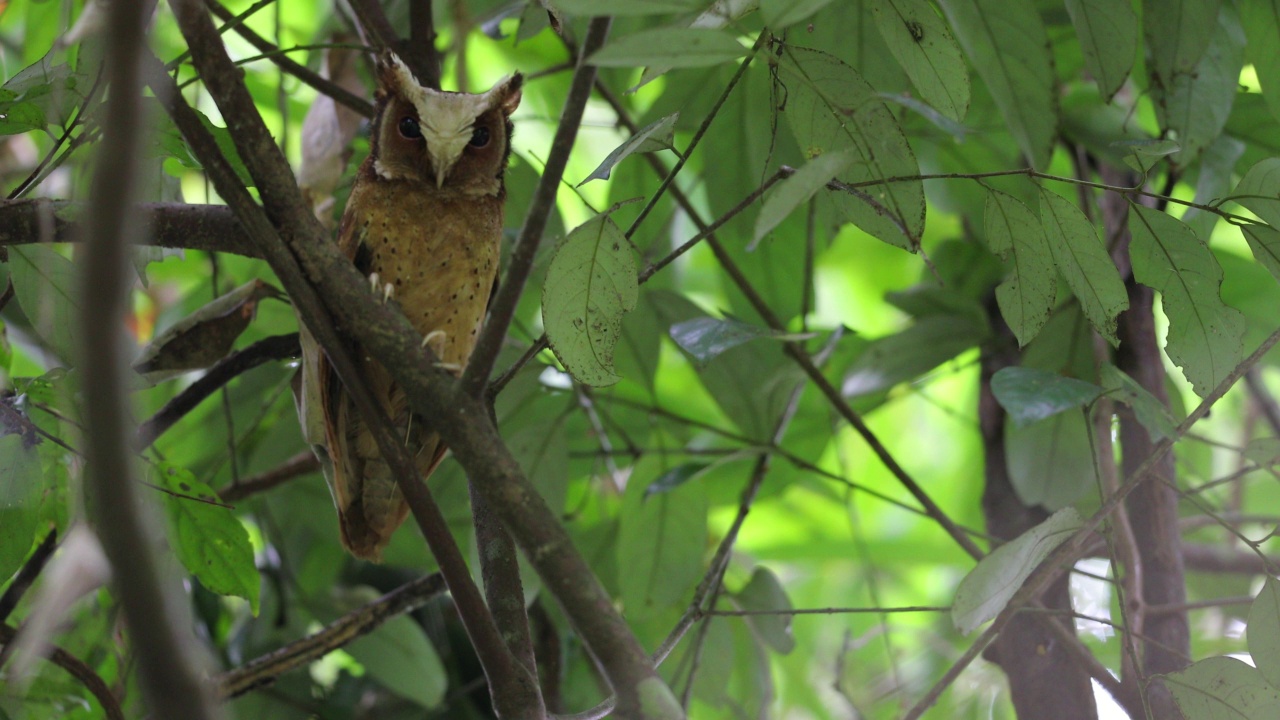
[445,157]
[442,172]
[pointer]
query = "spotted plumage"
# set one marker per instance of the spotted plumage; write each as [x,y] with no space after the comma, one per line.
[424,222]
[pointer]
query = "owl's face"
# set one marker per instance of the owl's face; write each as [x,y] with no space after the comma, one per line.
[454,141]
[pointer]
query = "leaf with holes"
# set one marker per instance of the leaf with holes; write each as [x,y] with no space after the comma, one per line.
[926,50]
[1084,262]
[1205,334]
[590,285]
[207,538]
[987,589]
[1223,687]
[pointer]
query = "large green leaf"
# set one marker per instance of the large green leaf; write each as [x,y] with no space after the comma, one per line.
[207,538]
[831,108]
[1223,688]
[1178,33]
[1195,104]
[1264,631]
[1259,191]
[654,136]
[626,7]
[1264,241]
[1261,20]
[590,285]
[800,187]
[399,656]
[924,46]
[1050,463]
[1029,292]
[985,591]
[705,338]
[1008,47]
[1108,34]
[765,593]
[1028,394]
[1084,262]
[46,287]
[660,543]
[1205,335]
[906,355]
[21,485]
[1213,180]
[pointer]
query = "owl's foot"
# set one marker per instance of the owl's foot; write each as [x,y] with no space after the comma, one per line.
[375,286]
[435,340]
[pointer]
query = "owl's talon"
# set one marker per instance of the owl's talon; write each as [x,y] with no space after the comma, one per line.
[451,367]
[387,292]
[373,283]
[435,336]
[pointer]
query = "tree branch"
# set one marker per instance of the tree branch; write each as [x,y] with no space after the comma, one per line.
[276,347]
[263,671]
[172,225]
[319,278]
[158,627]
[92,681]
[292,67]
[303,463]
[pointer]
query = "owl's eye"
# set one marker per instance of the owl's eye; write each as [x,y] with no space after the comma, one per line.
[480,137]
[409,128]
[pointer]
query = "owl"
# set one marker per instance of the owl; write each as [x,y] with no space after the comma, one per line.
[423,222]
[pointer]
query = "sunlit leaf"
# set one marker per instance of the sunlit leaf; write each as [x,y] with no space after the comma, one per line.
[590,285]
[1029,292]
[660,544]
[1259,191]
[206,537]
[1205,335]
[671,47]
[1028,394]
[656,135]
[1109,39]
[1007,45]
[985,591]
[1261,21]
[1223,688]
[924,46]
[796,190]
[1142,155]
[1081,258]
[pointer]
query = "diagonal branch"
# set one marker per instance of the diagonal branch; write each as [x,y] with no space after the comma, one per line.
[321,281]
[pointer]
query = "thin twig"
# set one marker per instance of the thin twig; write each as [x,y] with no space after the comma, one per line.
[27,574]
[301,464]
[77,669]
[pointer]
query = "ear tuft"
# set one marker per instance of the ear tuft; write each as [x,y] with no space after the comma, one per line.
[510,93]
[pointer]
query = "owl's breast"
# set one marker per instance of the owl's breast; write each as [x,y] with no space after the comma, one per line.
[440,254]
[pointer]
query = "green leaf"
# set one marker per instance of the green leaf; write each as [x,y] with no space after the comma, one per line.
[1050,461]
[765,593]
[800,187]
[1178,33]
[20,117]
[957,131]
[675,477]
[1028,394]
[1008,47]
[985,591]
[925,48]
[1194,105]
[46,287]
[1217,165]
[830,108]
[778,14]
[1142,155]
[1259,191]
[207,538]
[1264,241]
[670,47]
[1223,688]
[1084,262]
[652,137]
[623,8]
[1151,413]
[1205,335]
[1108,33]
[402,659]
[706,337]
[911,353]
[660,543]
[1261,21]
[590,285]
[1264,631]
[1029,292]
[638,353]
[21,486]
